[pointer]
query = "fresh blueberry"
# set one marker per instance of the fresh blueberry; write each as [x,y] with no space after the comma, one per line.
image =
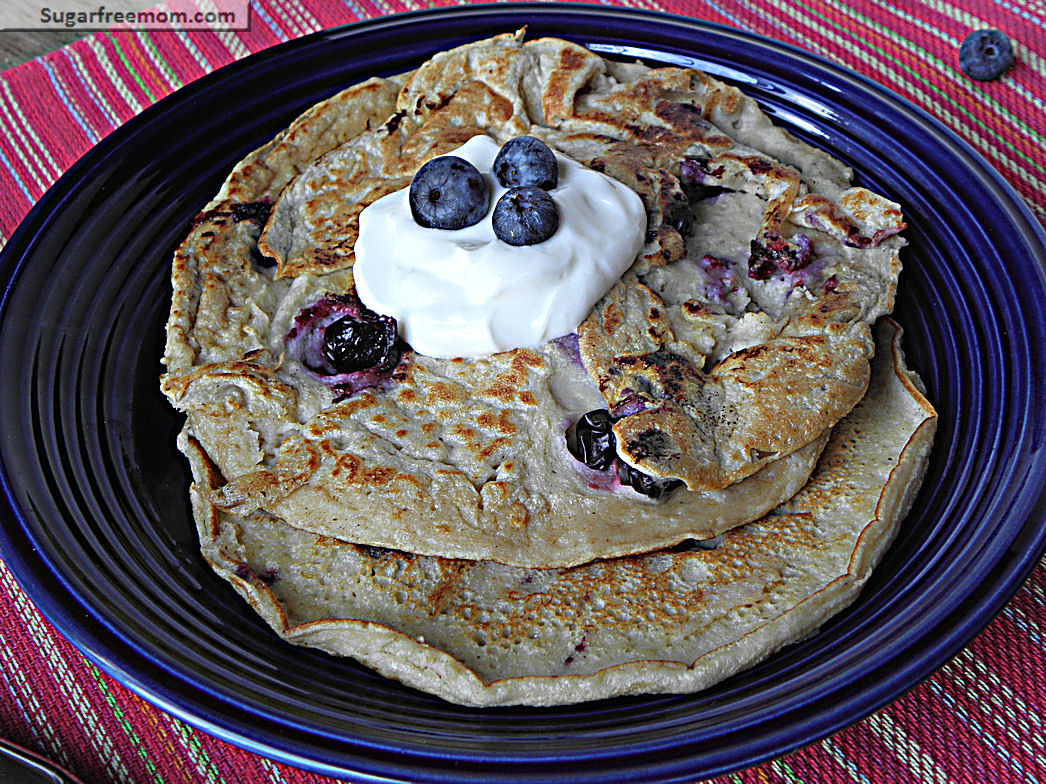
[594,442]
[448,193]
[644,483]
[351,344]
[526,161]
[985,54]
[525,216]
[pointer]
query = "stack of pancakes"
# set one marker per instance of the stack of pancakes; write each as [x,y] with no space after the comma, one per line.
[433,523]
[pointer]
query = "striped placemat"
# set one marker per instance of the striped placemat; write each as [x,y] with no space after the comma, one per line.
[979,719]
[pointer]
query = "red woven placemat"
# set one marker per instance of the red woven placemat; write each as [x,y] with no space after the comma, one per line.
[979,719]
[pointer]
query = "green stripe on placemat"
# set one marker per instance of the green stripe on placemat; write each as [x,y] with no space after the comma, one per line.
[124,724]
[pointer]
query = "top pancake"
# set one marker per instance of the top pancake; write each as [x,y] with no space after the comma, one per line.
[738,337]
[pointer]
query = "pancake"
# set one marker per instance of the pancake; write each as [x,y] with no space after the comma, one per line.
[678,620]
[728,350]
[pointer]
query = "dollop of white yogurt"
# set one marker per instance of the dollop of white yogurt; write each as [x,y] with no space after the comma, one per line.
[465,293]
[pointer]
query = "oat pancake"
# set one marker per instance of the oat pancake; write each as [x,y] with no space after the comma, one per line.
[481,633]
[738,338]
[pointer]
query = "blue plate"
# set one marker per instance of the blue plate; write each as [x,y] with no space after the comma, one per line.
[98,530]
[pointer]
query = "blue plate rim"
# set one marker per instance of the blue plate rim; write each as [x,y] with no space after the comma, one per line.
[98,647]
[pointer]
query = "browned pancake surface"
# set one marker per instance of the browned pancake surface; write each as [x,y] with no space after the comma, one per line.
[480,633]
[727,372]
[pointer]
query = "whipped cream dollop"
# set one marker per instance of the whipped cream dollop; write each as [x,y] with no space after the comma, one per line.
[466,293]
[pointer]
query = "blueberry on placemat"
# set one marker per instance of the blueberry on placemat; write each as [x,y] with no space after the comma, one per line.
[985,54]
[525,216]
[448,193]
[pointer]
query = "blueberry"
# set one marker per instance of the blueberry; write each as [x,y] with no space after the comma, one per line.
[773,254]
[678,214]
[254,211]
[644,483]
[448,193]
[594,442]
[525,216]
[526,161]
[595,445]
[985,54]
[351,344]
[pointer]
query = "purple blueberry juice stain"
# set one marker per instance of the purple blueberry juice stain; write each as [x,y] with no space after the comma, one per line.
[694,171]
[719,278]
[570,346]
[882,234]
[579,648]
[632,404]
